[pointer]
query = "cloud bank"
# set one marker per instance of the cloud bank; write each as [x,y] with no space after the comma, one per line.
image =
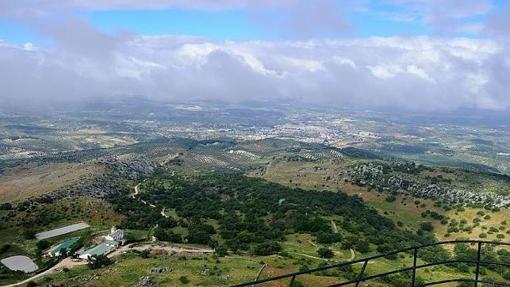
[416,73]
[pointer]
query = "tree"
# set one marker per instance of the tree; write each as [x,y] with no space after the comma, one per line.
[198,236]
[43,244]
[184,280]
[98,261]
[427,226]
[362,246]
[328,237]
[221,250]
[266,248]
[325,252]
[29,234]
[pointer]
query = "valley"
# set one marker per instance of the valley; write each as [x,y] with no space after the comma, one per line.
[149,189]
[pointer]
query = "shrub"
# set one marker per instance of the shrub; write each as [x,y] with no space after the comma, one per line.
[325,252]
[328,237]
[43,244]
[427,226]
[184,280]
[28,234]
[266,248]
[98,261]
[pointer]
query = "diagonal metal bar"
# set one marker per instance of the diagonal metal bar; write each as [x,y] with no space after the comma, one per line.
[360,276]
[478,257]
[291,284]
[415,258]
[415,267]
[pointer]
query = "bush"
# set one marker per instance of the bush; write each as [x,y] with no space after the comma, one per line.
[184,280]
[325,252]
[427,226]
[221,250]
[266,248]
[391,198]
[43,244]
[4,248]
[28,234]
[328,237]
[145,253]
[6,206]
[362,246]
[98,261]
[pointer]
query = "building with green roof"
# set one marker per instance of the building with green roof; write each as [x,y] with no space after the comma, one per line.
[64,247]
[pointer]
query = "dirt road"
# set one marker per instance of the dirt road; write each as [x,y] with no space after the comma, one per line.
[69,263]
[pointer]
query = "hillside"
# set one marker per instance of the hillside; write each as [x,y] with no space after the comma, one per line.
[296,199]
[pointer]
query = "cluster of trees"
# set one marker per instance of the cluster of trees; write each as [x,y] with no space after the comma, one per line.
[254,215]
[98,261]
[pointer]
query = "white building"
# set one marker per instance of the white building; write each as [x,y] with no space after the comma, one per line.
[115,234]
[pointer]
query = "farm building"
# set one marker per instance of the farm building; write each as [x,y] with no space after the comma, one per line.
[63,248]
[111,242]
[115,234]
[101,249]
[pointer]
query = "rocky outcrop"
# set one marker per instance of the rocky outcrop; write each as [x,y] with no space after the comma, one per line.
[400,178]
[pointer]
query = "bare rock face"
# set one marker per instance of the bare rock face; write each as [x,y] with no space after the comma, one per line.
[146,281]
[397,177]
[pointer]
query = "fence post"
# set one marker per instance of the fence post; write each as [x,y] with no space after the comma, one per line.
[415,257]
[478,257]
[292,281]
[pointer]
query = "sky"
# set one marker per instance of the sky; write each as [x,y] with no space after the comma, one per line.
[391,54]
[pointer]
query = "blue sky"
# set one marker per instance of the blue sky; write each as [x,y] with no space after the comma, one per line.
[373,18]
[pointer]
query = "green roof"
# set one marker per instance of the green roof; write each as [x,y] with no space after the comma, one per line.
[101,249]
[111,242]
[65,245]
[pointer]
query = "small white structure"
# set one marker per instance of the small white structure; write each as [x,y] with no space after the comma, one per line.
[115,234]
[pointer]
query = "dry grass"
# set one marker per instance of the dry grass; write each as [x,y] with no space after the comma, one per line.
[25,182]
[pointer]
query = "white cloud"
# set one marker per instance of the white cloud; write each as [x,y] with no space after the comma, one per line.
[412,73]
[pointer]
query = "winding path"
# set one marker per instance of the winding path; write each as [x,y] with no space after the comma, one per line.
[69,263]
[66,263]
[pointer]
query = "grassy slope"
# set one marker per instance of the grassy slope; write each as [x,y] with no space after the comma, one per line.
[314,175]
[303,174]
[25,182]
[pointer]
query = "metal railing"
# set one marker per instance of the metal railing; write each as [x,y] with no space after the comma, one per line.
[362,277]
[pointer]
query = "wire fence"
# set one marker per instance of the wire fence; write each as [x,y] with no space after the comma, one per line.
[362,276]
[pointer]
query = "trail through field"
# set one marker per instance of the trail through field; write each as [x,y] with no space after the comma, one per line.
[170,249]
[333,225]
[136,191]
[310,256]
[69,263]
[353,255]
[66,263]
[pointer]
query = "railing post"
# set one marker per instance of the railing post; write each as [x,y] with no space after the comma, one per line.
[415,257]
[292,281]
[360,276]
[478,257]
